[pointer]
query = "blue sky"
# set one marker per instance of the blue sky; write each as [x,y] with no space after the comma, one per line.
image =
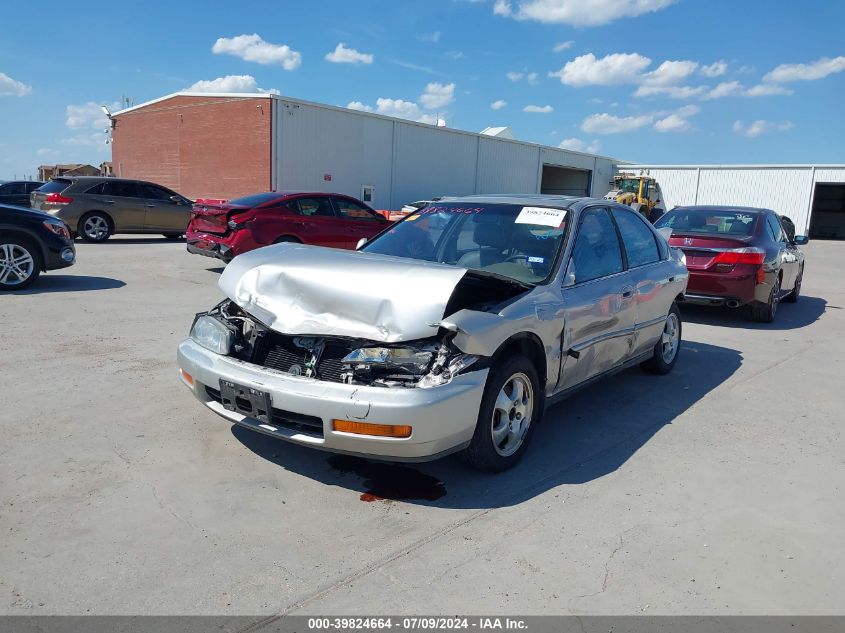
[657,81]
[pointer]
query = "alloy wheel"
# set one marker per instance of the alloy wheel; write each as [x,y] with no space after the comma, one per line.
[512,414]
[16,264]
[670,338]
[95,227]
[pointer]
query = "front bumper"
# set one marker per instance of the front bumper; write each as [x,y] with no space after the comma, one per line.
[443,418]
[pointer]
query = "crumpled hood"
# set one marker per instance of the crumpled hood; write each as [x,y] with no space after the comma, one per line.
[300,290]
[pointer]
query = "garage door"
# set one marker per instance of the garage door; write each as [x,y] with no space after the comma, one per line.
[565,181]
[828,218]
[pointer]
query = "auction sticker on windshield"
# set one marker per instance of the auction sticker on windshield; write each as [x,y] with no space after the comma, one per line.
[541,216]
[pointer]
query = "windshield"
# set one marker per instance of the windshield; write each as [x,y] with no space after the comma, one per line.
[739,223]
[515,241]
[631,185]
[256,199]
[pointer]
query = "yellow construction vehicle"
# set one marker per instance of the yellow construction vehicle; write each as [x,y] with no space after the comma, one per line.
[638,191]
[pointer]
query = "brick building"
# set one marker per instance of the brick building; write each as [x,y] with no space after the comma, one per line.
[227,145]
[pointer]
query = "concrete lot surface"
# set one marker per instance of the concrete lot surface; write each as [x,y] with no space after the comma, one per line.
[715,490]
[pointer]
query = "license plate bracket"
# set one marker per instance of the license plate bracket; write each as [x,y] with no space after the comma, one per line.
[247,401]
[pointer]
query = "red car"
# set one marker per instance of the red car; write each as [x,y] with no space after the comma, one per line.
[738,256]
[225,230]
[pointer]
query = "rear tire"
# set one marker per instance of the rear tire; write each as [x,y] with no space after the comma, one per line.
[95,227]
[668,346]
[792,297]
[20,264]
[510,409]
[765,312]
[174,236]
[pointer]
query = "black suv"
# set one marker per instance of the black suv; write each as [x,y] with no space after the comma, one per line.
[17,191]
[31,242]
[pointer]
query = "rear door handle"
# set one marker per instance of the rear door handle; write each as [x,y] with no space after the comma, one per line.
[109,201]
[671,279]
[627,292]
[149,206]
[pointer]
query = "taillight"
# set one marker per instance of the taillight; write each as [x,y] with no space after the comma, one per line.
[749,255]
[57,198]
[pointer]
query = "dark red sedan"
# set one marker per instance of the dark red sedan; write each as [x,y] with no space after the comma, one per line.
[225,230]
[737,256]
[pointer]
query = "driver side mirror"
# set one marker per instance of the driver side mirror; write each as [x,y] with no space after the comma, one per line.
[360,243]
[800,240]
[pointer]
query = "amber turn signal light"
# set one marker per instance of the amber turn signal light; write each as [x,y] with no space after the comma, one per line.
[187,377]
[365,428]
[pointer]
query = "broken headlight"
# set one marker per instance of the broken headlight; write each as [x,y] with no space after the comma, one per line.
[212,334]
[401,359]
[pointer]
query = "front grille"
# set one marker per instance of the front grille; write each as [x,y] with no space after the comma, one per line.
[299,422]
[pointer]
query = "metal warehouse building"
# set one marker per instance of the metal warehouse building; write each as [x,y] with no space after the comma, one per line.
[812,196]
[227,145]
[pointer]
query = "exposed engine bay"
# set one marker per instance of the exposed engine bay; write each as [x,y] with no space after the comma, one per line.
[422,363]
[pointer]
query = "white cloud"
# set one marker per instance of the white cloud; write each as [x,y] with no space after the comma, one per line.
[12,87]
[514,76]
[357,105]
[429,37]
[531,78]
[767,90]
[677,121]
[344,55]
[562,46]
[670,73]
[578,145]
[535,109]
[47,152]
[229,83]
[437,95]
[88,115]
[577,12]
[716,69]
[96,140]
[673,92]
[818,69]
[455,54]
[499,104]
[724,89]
[252,48]
[611,124]
[617,68]
[760,126]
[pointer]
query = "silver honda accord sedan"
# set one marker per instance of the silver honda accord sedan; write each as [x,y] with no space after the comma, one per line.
[451,330]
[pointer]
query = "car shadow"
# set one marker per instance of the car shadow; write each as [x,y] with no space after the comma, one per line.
[581,439]
[69,283]
[117,240]
[217,269]
[789,316]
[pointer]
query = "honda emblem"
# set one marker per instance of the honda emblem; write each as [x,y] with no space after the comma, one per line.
[687,241]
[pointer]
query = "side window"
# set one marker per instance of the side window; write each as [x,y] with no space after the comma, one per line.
[15,187]
[353,211]
[597,252]
[96,189]
[121,189]
[639,241]
[154,193]
[313,207]
[775,228]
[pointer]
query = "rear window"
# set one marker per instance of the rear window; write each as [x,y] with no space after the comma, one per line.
[55,186]
[740,223]
[256,199]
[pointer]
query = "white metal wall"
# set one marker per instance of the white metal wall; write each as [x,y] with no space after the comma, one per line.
[786,189]
[406,161]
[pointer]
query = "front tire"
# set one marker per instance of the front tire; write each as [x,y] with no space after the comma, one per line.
[95,227]
[668,346]
[510,409]
[20,264]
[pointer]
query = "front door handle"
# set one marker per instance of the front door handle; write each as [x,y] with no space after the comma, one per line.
[109,201]
[149,206]
[627,292]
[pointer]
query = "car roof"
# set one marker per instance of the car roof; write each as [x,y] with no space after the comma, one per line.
[529,199]
[720,207]
[26,211]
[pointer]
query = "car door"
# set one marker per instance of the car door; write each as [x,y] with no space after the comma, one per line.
[787,256]
[317,222]
[14,193]
[650,275]
[598,298]
[357,220]
[161,212]
[121,199]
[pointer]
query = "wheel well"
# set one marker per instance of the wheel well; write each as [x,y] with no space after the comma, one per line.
[530,346]
[105,214]
[287,238]
[680,297]
[33,243]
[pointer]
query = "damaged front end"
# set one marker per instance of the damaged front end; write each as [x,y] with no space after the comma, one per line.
[429,362]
